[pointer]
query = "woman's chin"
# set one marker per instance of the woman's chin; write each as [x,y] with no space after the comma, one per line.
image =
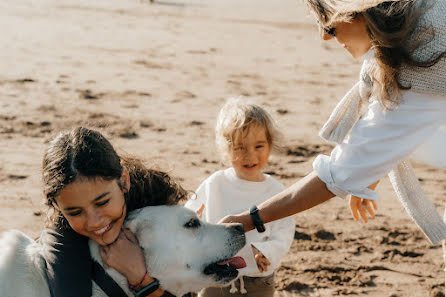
[358,53]
[107,239]
[103,241]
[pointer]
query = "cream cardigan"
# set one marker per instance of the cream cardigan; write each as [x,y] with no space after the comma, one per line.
[422,80]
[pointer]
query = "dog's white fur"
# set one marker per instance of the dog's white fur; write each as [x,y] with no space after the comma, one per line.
[177,248]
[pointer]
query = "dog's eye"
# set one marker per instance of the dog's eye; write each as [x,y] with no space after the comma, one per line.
[193,223]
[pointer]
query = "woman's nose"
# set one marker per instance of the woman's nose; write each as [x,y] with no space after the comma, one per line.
[326,36]
[94,220]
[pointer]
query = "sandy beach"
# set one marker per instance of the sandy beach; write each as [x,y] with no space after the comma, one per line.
[152,78]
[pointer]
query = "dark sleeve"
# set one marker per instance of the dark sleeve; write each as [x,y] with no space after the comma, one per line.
[68,261]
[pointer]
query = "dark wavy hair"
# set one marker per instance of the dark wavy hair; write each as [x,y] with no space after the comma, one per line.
[85,153]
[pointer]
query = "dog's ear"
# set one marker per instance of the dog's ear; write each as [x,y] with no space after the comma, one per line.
[136,222]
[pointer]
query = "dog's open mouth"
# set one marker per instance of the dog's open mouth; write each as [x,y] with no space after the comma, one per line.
[226,268]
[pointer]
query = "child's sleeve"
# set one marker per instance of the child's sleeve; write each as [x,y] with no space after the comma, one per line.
[279,242]
[68,263]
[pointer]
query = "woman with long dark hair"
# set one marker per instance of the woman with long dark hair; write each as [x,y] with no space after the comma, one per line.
[90,189]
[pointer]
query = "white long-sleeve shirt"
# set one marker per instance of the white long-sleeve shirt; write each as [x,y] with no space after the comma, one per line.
[223,193]
[380,140]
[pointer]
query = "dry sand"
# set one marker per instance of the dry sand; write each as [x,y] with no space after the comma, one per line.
[152,78]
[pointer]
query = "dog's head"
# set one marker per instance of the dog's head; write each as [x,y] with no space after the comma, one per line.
[184,253]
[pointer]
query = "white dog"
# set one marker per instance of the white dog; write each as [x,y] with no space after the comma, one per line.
[182,252]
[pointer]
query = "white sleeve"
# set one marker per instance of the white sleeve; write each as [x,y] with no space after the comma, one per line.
[379,142]
[278,244]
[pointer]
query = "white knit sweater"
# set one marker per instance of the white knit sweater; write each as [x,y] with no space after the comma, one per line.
[423,80]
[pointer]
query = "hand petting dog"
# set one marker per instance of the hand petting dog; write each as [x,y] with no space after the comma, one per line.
[123,251]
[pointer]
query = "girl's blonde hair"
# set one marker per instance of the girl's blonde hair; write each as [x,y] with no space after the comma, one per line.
[389,25]
[237,116]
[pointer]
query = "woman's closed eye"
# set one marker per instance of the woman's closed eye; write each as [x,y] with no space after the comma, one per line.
[74,213]
[102,202]
[99,203]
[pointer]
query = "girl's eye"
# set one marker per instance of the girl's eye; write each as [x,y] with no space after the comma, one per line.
[74,213]
[103,202]
[259,146]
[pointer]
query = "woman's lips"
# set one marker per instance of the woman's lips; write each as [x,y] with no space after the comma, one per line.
[102,231]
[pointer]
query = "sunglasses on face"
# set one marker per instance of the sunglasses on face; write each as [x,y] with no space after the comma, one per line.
[330,31]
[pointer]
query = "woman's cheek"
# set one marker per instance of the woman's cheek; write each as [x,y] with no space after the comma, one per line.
[76,224]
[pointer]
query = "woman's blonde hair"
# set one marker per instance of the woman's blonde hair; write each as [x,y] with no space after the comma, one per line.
[389,25]
[236,117]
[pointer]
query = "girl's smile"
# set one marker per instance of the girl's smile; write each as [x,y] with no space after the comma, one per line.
[103,230]
[250,166]
[94,208]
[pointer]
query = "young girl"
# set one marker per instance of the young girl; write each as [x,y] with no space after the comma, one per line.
[89,191]
[245,135]
[403,79]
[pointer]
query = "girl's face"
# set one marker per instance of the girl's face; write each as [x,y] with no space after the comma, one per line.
[352,36]
[95,208]
[250,153]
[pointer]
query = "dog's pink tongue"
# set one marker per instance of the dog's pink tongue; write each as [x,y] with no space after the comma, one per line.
[236,262]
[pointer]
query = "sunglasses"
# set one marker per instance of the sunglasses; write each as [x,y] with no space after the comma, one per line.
[330,31]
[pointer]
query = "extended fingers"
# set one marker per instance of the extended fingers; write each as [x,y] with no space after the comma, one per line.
[368,206]
[355,205]
[362,213]
[359,208]
[264,263]
[261,265]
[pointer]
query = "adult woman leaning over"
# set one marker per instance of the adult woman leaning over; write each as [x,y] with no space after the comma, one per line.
[90,189]
[403,82]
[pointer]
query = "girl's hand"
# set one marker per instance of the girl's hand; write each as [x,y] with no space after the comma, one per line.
[261,260]
[125,256]
[359,207]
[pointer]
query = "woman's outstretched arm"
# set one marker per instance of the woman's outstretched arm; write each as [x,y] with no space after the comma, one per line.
[306,193]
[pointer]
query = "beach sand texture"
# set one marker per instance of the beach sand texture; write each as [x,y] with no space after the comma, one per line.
[152,77]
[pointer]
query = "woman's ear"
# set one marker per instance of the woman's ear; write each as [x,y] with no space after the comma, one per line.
[125,180]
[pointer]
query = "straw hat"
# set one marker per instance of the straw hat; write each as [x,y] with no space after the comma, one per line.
[342,10]
[349,6]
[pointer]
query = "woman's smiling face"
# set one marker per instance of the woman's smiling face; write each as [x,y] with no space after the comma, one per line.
[95,207]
